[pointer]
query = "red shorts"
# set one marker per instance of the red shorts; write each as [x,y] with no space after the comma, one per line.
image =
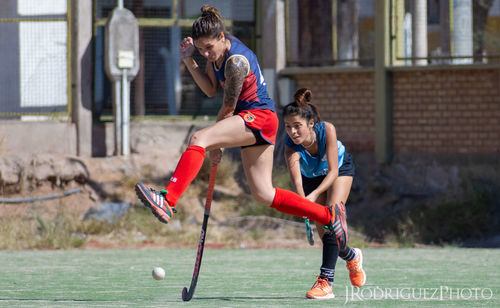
[263,123]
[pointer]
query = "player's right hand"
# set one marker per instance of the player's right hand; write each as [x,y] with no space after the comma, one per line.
[187,47]
[215,156]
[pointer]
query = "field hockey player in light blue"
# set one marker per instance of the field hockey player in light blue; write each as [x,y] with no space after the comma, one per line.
[322,172]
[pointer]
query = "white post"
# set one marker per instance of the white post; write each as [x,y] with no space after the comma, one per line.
[118,117]
[462,30]
[408,38]
[419,30]
[125,129]
[120,4]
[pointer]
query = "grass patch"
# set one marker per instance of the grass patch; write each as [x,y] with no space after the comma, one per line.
[38,231]
[247,278]
[453,221]
[447,221]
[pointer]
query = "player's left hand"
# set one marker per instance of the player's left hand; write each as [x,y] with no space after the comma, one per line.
[312,196]
[187,47]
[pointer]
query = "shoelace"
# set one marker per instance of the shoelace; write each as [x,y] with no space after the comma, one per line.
[353,265]
[321,283]
[163,192]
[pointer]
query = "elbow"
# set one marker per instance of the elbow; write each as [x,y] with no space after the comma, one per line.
[211,94]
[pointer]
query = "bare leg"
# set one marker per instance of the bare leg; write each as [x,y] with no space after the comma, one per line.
[341,189]
[227,133]
[339,192]
[258,166]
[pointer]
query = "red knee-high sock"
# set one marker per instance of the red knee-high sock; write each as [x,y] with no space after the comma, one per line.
[291,203]
[187,169]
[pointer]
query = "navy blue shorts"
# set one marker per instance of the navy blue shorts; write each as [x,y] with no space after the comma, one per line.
[347,169]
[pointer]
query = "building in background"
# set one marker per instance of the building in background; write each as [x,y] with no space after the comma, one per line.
[338,48]
[34,63]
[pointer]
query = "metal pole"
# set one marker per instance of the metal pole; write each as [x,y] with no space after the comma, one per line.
[125,115]
[419,31]
[462,35]
[118,117]
[120,4]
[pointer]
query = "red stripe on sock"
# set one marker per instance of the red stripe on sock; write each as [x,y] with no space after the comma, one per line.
[188,167]
[291,203]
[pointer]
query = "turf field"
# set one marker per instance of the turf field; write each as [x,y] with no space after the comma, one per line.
[426,277]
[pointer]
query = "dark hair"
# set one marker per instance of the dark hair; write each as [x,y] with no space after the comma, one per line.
[210,24]
[302,106]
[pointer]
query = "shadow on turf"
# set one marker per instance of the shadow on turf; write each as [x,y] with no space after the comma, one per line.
[246,298]
[47,300]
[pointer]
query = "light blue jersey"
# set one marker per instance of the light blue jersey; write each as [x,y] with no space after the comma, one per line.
[314,166]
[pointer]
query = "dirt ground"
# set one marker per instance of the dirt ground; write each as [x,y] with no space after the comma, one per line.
[111,179]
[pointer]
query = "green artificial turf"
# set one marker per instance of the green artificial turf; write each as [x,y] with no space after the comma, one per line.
[410,277]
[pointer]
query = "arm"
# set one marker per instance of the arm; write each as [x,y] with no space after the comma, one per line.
[207,81]
[332,158]
[236,70]
[292,159]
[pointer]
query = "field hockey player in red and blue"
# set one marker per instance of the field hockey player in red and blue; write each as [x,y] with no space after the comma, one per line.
[246,119]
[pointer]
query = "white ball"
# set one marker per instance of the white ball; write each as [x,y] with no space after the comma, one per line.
[158,273]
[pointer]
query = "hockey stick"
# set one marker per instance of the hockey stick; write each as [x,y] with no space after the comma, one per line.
[309,233]
[188,294]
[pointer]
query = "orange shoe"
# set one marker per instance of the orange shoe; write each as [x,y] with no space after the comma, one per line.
[355,267]
[321,289]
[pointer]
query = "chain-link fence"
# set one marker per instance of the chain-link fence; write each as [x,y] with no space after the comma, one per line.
[34,44]
[162,26]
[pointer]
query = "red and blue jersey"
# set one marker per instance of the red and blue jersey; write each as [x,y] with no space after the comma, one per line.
[253,93]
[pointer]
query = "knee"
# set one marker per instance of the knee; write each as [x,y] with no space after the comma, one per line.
[264,196]
[196,139]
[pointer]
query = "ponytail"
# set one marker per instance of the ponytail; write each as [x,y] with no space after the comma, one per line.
[302,106]
[210,24]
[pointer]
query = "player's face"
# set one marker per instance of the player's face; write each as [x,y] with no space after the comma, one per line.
[298,128]
[211,48]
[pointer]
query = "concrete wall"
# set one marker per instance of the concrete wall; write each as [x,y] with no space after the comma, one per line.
[59,138]
[24,138]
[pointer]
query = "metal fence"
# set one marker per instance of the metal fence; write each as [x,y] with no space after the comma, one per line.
[422,32]
[448,32]
[35,61]
[162,25]
[330,32]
